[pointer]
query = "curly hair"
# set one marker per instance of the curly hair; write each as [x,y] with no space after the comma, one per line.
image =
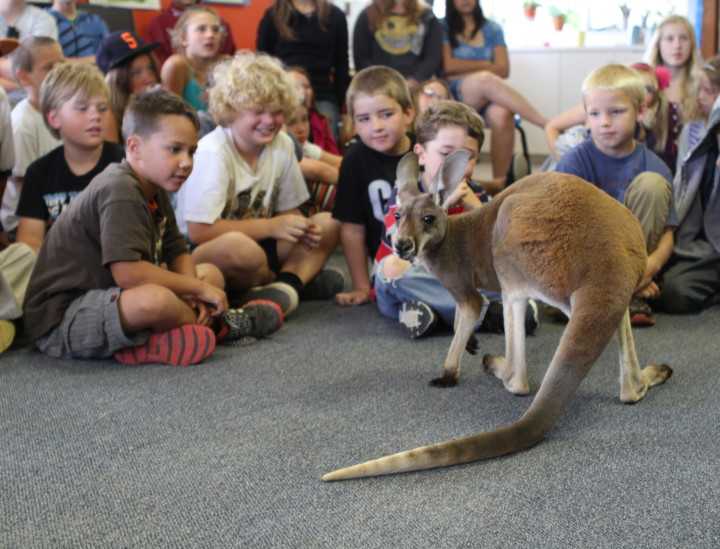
[250,80]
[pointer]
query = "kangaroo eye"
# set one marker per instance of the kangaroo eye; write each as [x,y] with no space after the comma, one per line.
[397,216]
[429,219]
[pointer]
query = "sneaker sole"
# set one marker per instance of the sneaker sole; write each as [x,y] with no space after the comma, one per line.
[424,316]
[278,309]
[641,319]
[181,346]
[287,296]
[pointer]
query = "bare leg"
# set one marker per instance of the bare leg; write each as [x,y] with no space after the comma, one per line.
[153,307]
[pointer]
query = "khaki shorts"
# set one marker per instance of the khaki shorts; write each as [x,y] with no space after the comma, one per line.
[90,328]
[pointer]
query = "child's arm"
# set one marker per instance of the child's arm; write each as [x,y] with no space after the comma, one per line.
[317,170]
[130,274]
[352,237]
[31,231]
[175,74]
[562,122]
[648,288]
[333,159]
[289,227]
[454,67]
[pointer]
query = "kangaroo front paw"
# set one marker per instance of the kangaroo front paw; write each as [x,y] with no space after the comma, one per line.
[445,381]
[473,345]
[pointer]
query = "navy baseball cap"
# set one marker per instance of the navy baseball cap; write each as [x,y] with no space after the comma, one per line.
[120,46]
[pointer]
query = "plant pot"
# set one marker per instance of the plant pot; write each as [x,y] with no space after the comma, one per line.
[530,13]
[558,22]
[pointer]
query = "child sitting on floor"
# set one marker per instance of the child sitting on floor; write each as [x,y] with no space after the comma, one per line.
[240,212]
[99,287]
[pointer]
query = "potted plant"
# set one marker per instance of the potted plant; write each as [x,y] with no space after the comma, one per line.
[530,7]
[558,17]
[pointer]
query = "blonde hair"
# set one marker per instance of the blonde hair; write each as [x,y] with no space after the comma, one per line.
[247,81]
[67,80]
[616,78]
[657,119]
[378,80]
[283,10]
[448,113]
[689,104]
[23,58]
[180,30]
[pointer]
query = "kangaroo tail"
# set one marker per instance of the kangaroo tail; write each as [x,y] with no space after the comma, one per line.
[512,438]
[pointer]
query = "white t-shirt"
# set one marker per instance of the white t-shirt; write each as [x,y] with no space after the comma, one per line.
[222,185]
[311,150]
[7,144]
[32,21]
[32,140]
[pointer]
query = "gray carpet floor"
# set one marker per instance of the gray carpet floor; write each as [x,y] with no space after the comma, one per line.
[228,453]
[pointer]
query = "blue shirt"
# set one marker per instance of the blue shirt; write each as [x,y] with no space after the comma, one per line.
[614,175]
[493,36]
[81,37]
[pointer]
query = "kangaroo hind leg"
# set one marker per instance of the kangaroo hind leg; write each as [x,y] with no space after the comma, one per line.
[511,369]
[634,381]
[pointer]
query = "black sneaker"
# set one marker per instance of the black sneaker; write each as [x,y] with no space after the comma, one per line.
[640,313]
[325,285]
[254,321]
[278,292]
[494,320]
[419,319]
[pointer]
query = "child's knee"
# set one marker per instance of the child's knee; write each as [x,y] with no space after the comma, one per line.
[149,301]
[207,272]
[393,267]
[649,186]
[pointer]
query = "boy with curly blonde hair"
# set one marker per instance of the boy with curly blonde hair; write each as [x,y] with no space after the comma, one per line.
[239,210]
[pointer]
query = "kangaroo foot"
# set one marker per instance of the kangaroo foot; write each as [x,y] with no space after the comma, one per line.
[499,367]
[448,380]
[652,375]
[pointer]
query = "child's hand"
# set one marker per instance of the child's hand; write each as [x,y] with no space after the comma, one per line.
[464,196]
[312,237]
[290,227]
[356,297]
[203,314]
[214,299]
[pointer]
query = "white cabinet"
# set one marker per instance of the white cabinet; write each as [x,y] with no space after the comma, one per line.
[551,80]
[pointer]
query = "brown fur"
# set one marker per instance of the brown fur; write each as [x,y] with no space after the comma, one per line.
[551,237]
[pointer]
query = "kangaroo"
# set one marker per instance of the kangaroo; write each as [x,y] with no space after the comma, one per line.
[551,237]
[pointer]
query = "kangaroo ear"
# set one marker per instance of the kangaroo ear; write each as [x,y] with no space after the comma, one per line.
[407,177]
[449,175]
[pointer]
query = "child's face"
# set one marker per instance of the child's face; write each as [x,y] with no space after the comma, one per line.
[164,159]
[612,118]
[707,93]
[675,45]
[651,90]
[299,124]
[303,87]
[380,122]
[142,74]
[431,93]
[202,36]
[82,123]
[44,59]
[254,129]
[447,140]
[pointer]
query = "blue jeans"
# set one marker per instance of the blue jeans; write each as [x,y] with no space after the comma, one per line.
[417,283]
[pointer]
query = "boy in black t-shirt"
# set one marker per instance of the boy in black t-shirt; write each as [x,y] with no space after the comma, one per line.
[379,103]
[114,276]
[74,100]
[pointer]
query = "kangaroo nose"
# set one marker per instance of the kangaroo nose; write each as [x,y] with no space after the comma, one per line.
[403,248]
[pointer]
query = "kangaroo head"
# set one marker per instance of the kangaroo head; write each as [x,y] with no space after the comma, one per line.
[421,217]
